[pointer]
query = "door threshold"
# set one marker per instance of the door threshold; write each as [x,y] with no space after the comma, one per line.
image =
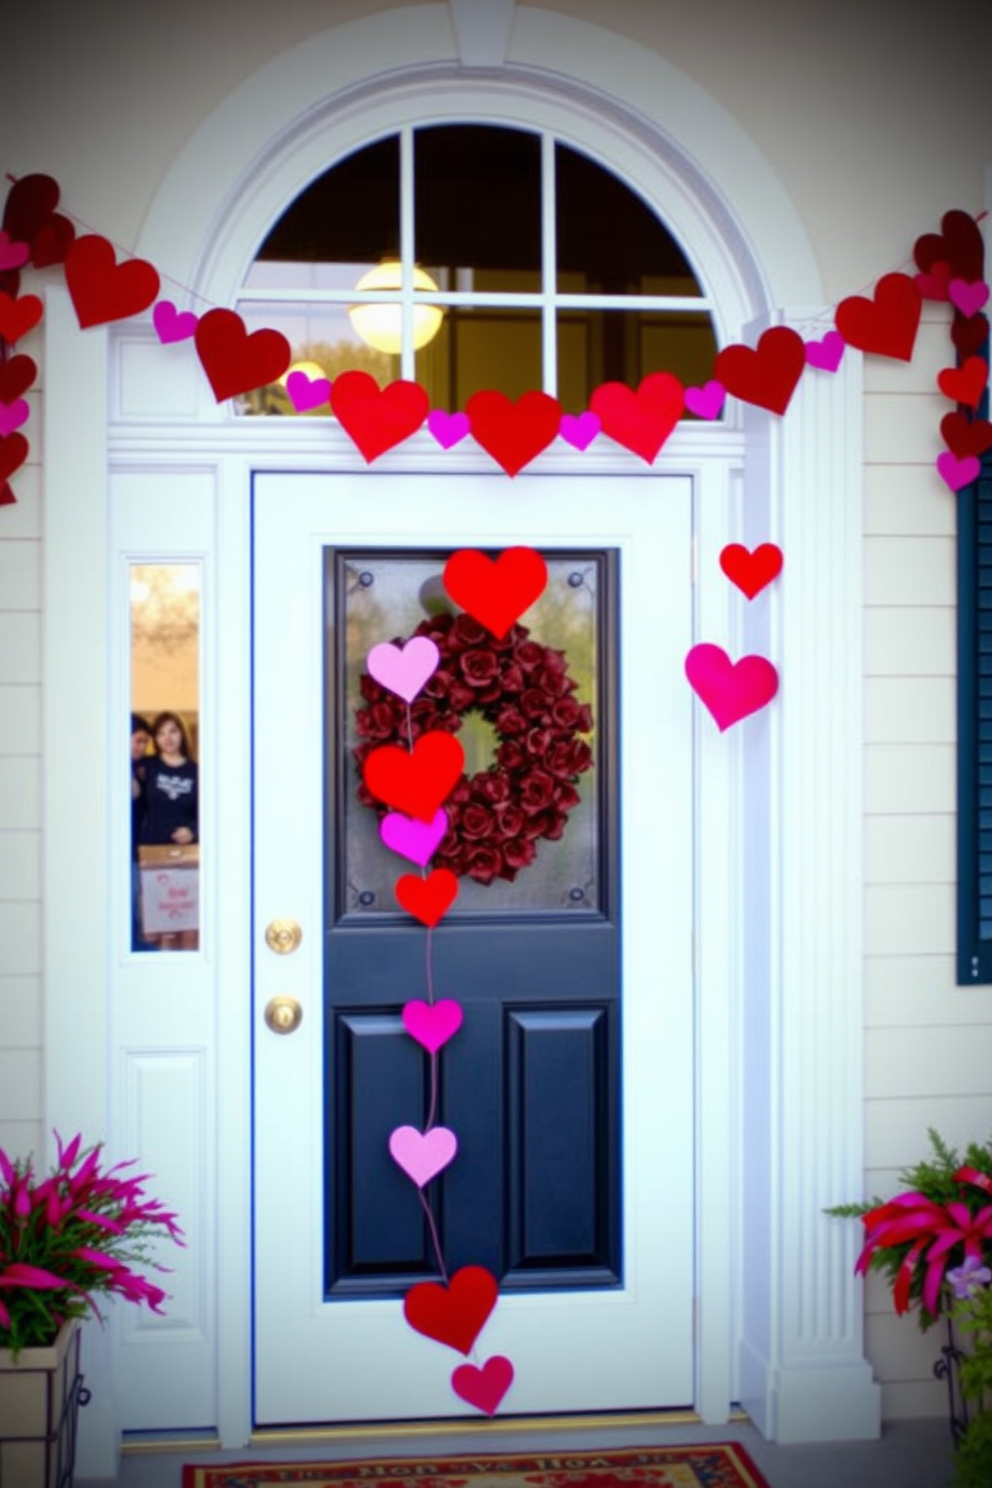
[387,1430]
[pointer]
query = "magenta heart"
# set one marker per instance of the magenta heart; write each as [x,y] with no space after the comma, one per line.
[404,669]
[730,690]
[306,393]
[171,324]
[968,298]
[422,1155]
[13,255]
[432,1023]
[413,839]
[707,401]
[13,415]
[958,473]
[580,431]
[448,429]
[484,1388]
[826,353]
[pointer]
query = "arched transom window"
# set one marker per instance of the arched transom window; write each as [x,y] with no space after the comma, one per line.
[471,256]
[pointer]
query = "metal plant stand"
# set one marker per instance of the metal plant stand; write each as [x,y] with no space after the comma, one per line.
[947,1368]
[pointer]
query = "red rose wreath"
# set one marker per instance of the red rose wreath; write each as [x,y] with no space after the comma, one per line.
[496,817]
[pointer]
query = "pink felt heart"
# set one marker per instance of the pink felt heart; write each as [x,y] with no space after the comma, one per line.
[13,255]
[957,473]
[432,1024]
[706,401]
[825,354]
[171,324]
[730,690]
[307,393]
[404,668]
[484,1388]
[448,429]
[422,1155]
[580,430]
[12,416]
[413,839]
[968,298]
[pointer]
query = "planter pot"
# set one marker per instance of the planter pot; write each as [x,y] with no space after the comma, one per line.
[40,1395]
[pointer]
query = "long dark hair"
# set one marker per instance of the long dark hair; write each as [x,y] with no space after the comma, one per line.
[167,717]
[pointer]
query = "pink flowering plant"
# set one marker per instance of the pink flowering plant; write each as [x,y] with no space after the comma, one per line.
[66,1239]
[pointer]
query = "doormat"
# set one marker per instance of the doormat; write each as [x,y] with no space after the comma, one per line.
[715,1465]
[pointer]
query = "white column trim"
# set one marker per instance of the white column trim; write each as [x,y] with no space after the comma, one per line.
[482,30]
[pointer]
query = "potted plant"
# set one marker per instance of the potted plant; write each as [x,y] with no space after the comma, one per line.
[64,1241]
[934,1243]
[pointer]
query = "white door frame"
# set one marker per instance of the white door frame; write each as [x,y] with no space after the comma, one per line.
[778,805]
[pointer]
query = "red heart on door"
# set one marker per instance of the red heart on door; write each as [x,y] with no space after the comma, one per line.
[969,333]
[415,781]
[484,1388]
[965,436]
[454,1314]
[641,421]
[730,690]
[885,324]
[19,316]
[234,361]
[513,433]
[427,899]
[766,374]
[102,289]
[959,244]
[30,203]
[16,376]
[377,418]
[965,384]
[496,592]
[13,453]
[751,571]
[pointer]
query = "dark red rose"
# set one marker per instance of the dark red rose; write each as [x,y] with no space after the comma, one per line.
[565,713]
[537,790]
[468,632]
[510,820]
[519,854]
[584,724]
[538,742]
[512,678]
[483,863]
[510,720]
[379,721]
[568,758]
[460,696]
[476,821]
[529,656]
[511,757]
[536,703]
[555,684]
[492,787]
[478,666]
[437,686]
[566,796]
[370,689]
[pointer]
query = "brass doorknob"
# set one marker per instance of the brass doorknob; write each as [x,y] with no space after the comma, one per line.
[283,936]
[283,1014]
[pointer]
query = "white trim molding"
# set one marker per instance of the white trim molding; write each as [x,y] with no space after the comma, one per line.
[482,30]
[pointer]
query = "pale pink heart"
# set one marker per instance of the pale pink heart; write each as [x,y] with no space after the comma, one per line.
[411,838]
[968,298]
[448,429]
[13,255]
[580,431]
[826,353]
[404,669]
[306,393]
[422,1155]
[957,473]
[484,1388]
[706,402]
[432,1023]
[730,690]
[13,415]
[171,324]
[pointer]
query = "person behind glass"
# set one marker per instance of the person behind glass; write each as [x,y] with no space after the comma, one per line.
[171,801]
[141,738]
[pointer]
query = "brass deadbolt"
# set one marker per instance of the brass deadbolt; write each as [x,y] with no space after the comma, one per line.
[283,936]
[283,1014]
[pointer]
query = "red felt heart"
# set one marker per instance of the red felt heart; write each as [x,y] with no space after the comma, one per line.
[933,284]
[964,435]
[10,282]
[13,453]
[16,376]
[7,497]
[751,571]
[886,324]
[427,899]
[969,333]
[640,421]
[101,289]
[496,592]
[52,241]
[730,690]
[454,1314]
[415,781]
[17,317]
[377,418]
[484,1388]
[30,203]
[513,433]
[965,384]
[234,361]
[766,374]
[959,244]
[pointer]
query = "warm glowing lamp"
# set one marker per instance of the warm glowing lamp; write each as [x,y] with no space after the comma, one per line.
[381,325]
[313,370]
